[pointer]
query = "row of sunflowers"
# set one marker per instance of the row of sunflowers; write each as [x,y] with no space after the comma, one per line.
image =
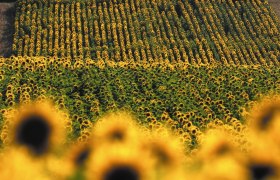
[193,31]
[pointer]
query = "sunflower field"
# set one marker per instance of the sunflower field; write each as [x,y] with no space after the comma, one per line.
[141,90]
[193,31]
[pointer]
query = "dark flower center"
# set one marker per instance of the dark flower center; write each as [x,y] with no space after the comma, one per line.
[117,135]
[223,149]
[82,157]
[266,119]
[34,132]
[261,172]
[122,173]
[161,155]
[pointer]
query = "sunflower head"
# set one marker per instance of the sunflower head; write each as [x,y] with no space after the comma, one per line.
[82,156]
[166,148]
[225,167]
[79,154]
[125,172]
[53,164]
[37,126]
[119,162]
[259,171]
[263,160]
[264,114]
[216,143]
[117,127]
[16,164]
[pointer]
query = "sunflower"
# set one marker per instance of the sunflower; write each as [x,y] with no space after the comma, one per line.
[263,160]
[79,154]
[17,164]
[37,126]
[216,143]
[167,149]
[264,118]
[118,127]
[260,170]
[264,114]
[116,162]
[225,167]
[53,164]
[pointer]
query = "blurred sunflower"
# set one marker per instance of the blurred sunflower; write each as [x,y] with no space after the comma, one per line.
[37,126]
[56,167]
[79,154]
[17,164]
[262,170]
[167,149]
[216,143]
[262,161]
[263,115]
[226,168]
[264,118]
[118,162]
[118,127]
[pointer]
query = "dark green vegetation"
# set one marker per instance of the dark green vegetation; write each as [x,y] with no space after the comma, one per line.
[152,91]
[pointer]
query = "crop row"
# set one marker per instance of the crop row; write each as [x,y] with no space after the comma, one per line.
[193,31]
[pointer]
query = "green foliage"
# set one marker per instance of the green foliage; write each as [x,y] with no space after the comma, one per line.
[209,92]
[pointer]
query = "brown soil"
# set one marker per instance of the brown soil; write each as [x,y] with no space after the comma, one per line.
[7,19]
[275,4]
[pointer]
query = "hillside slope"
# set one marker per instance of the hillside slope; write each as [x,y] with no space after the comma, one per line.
[208,32]
[275,4]
[7,18]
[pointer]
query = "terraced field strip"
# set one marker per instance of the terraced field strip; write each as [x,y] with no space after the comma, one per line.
[276,6]
[7,19]
[216,32]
